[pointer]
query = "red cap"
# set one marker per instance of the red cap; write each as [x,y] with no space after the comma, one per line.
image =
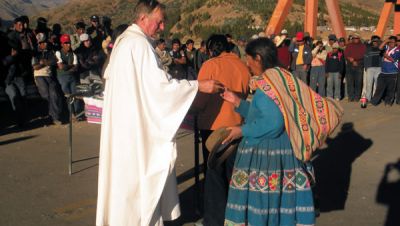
[64,38]
[299,36]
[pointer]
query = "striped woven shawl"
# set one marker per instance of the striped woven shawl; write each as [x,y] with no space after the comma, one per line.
[309,118]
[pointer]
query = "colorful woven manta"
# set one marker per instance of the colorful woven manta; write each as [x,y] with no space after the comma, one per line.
[309,118]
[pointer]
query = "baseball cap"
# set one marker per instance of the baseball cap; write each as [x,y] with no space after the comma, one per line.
[65,38]
[94,18]
[41,37]
[84,37]
[299,36]
[355,35]
[284,32]
[332,37]
[342,39]
[41,20]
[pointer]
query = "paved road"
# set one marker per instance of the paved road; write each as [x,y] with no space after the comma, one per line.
[35,188]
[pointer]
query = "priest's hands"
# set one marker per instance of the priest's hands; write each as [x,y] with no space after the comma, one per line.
[210,86]
[236,133]
[231,97]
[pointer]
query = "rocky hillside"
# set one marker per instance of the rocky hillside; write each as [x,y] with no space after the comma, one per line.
[9,9]
[199,18]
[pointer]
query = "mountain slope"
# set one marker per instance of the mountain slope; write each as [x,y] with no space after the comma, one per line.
[199,18]
[9,9]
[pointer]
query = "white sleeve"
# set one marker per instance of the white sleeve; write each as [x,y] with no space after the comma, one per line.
[75,62]
[58,56]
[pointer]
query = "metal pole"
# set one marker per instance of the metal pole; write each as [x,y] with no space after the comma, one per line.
[196,166]
[70,103]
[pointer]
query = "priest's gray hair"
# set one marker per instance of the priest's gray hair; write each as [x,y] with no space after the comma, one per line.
[146,7]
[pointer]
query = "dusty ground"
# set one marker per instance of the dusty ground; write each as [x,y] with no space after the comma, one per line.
[36,189]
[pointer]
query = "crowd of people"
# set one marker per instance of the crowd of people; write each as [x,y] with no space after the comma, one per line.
[340,68]
[55,62]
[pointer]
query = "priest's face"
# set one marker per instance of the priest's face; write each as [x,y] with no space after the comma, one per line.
[154,22]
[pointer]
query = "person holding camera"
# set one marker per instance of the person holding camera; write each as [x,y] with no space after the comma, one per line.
[317,74]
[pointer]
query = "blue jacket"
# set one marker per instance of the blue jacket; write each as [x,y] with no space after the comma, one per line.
[389,67]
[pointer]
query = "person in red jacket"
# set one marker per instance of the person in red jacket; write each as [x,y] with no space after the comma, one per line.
[354,54]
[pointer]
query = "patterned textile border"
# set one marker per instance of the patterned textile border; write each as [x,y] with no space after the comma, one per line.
[309,118]
[270,182]
[304,209]
[266,152]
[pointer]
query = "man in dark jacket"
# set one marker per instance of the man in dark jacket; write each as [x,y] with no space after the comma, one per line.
[96,32]
[15,84]
[90,60]
[334,67]
[301,57]
[23,43]
[200,56]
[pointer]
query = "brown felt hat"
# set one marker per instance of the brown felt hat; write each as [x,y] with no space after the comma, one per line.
[219,152]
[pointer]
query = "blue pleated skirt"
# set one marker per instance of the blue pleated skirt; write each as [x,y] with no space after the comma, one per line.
[269,185]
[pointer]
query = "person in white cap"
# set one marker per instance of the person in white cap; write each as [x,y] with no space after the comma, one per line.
[90,59]
[44,63]
[143,108]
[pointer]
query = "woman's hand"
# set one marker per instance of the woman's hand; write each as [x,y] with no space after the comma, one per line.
[236,133]
[231,97]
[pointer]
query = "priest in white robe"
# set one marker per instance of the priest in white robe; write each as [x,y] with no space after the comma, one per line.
[143,108]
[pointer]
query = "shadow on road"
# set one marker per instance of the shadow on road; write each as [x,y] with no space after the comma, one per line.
[35,117]
[389,194]
[14,140]
[333,167]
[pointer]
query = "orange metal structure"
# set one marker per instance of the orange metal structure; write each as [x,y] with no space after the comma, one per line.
[310,22]
[396,25]
[384,18]
[278,17]
[336,17]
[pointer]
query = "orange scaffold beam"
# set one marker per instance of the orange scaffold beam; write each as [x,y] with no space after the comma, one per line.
[336,17]
[384,18]
[278,17]
[396,25]
[311,14]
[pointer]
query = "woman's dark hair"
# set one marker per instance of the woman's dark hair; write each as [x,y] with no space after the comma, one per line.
[267,51]
[217,44]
